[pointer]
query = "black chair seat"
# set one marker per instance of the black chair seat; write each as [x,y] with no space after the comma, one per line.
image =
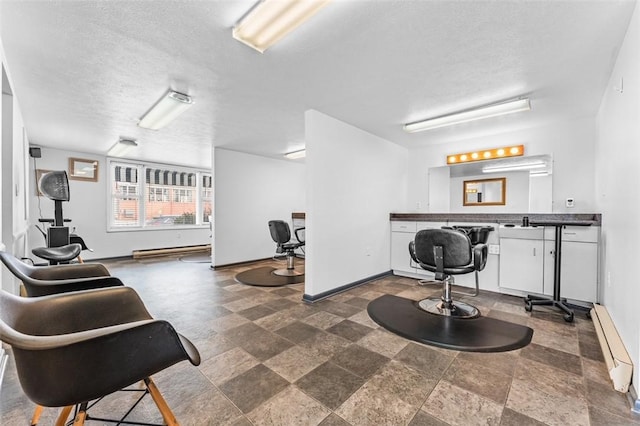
[58,254]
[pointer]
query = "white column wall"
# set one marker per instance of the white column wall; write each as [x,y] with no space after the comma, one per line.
[249,192]
[617,177]
[354,180]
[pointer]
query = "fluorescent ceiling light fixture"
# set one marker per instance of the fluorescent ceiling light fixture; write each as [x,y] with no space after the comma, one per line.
[270,20]
[170,106]
[122,147]
[296,154]
[469,115]
[514,167]
[486,154]
[537,173]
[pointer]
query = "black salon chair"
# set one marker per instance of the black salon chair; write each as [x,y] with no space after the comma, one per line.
[448,252]
[76,347]
[46,280]
[282,236]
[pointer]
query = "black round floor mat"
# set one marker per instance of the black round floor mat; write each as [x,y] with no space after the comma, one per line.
[403,317]
[265,277]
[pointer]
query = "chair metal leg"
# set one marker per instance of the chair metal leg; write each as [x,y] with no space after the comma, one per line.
[162,405]
[36,415]
[64,415]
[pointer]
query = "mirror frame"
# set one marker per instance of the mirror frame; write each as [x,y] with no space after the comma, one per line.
[503,195]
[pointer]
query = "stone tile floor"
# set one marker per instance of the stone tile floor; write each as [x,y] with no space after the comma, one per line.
[270,359]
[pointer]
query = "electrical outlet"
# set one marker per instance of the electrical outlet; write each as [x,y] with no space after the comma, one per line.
[494,249]
[570,202]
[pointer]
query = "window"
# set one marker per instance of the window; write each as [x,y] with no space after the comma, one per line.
[168,197]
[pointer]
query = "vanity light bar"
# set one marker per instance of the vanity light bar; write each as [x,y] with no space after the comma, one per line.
[486,154]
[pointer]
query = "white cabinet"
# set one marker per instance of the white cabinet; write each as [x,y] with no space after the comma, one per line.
[400,259]
[527,258]
[402,233]
[522,264]
[579,263]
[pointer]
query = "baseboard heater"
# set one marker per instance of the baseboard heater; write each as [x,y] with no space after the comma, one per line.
[139,254]
[615,355]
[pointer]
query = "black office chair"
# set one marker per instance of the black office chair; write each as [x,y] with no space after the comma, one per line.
[282,236]
[448,252]
[73,348]
[46,280]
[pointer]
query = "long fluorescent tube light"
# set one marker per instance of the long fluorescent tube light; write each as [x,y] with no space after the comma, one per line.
[122,147]
[469,115]
[163,112]
[515,167]
[296,154]
[270,20]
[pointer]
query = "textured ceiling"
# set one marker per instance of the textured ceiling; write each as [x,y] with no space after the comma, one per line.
[84,72]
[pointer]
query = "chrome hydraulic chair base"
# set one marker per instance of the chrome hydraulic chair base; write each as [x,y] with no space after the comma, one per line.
[447,307]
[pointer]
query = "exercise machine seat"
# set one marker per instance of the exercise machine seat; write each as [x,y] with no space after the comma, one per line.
[46,280]
[448,252]
[75,347]
[281,235]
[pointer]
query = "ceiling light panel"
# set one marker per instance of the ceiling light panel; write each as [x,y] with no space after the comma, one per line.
[469,115]
[167,109]
[271,20]
[122,147]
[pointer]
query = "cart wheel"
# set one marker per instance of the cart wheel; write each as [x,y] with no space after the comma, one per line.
[528,306]
[568,317]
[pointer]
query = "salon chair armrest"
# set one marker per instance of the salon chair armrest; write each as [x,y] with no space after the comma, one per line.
[298,236]
[480,255]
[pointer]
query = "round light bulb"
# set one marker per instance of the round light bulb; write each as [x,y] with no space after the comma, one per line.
[487,154]
[463,157]
[514,150]
[452,159]
[501,152]
[474,155]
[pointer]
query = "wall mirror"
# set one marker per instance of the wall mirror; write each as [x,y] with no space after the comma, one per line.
[484,192]
[529,190]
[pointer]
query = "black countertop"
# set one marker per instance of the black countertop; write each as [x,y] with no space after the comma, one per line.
[577,219]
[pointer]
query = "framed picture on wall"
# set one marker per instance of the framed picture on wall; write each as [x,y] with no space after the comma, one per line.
[83,169]
[39,173]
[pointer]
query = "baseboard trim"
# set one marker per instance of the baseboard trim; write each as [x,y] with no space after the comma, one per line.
[232,265]
[317,297]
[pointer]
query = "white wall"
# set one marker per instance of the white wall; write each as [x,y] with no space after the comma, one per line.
[354,180]
[617,178]
[249,192]
[571,145]
[14,179]
[87,209]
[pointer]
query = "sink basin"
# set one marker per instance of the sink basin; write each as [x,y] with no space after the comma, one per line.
[519,231]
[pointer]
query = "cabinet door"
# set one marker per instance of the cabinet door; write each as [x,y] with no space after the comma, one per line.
[521,264]
[400,258]
[579,271]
